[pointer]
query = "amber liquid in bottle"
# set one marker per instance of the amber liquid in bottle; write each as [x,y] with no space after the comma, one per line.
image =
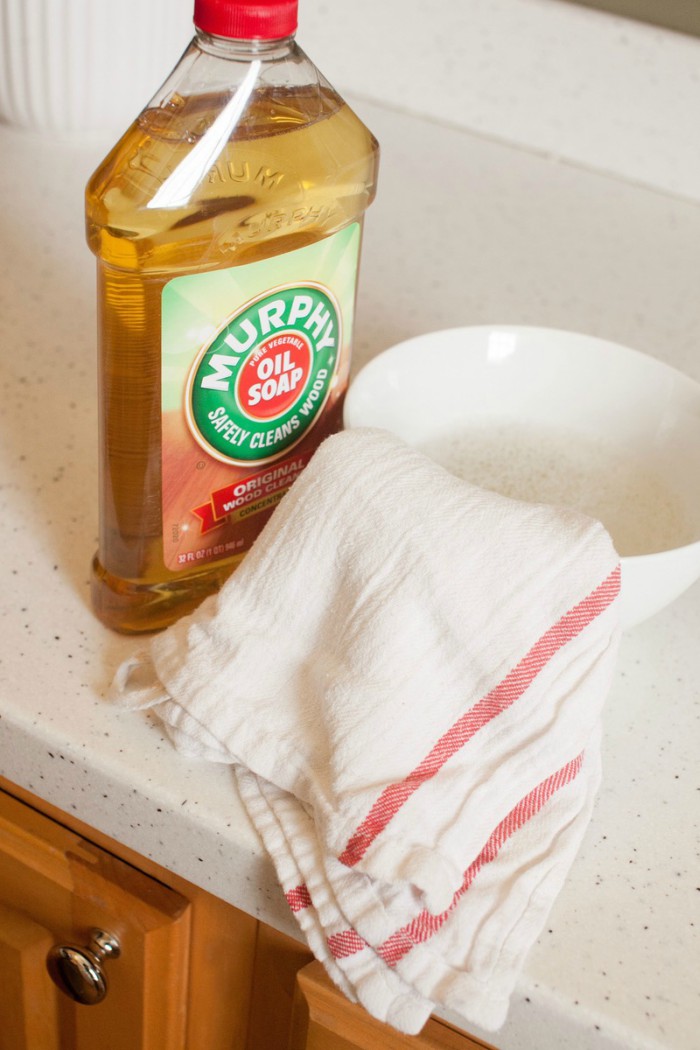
[298,166]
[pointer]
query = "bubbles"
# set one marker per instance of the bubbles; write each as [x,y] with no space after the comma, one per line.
[632,500]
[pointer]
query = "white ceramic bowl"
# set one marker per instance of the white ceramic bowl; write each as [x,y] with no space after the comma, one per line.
[557,417]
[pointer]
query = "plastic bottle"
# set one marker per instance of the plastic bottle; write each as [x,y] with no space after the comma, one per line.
[227,225]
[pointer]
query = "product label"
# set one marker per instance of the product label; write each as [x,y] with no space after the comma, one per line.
[261,383]
[255,363]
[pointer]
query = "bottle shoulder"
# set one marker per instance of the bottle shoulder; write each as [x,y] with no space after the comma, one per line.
[230,162]
[211,106]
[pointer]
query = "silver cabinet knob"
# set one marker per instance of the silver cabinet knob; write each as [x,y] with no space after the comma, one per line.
[78,971]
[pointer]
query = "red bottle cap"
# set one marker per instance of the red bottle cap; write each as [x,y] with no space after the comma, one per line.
[246,19]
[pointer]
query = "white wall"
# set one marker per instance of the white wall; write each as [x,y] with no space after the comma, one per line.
[604,92]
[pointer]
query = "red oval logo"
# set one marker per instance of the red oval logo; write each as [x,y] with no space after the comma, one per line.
[275,375]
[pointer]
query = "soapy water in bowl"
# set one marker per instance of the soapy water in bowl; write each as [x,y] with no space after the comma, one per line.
[633,501]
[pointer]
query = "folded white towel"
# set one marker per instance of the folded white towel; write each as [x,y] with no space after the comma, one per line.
[408,674]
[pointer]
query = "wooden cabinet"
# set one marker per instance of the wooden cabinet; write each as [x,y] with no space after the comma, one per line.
[324,1020]
[56,887]
[29,1014]
[185,971]
[194,973]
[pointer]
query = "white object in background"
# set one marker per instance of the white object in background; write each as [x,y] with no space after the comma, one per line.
[518,402]
[77,66]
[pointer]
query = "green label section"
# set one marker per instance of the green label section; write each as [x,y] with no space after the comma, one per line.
[249,353]
[261,383]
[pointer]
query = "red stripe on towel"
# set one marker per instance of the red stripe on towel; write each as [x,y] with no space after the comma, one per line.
[425,925]
[346,943]
[494,703]
[298,898]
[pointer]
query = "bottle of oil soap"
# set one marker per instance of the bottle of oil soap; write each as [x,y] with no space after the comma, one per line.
[227,225]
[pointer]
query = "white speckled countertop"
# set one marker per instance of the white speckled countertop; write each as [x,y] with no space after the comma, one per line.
[465,231]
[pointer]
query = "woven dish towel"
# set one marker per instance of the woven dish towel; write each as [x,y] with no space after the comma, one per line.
[407,674]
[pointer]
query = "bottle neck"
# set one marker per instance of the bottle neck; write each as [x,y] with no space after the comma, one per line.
[244,50]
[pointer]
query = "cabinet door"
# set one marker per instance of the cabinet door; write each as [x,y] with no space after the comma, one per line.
[28,1006]
[55,886]
[323,1019]
[278,959]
